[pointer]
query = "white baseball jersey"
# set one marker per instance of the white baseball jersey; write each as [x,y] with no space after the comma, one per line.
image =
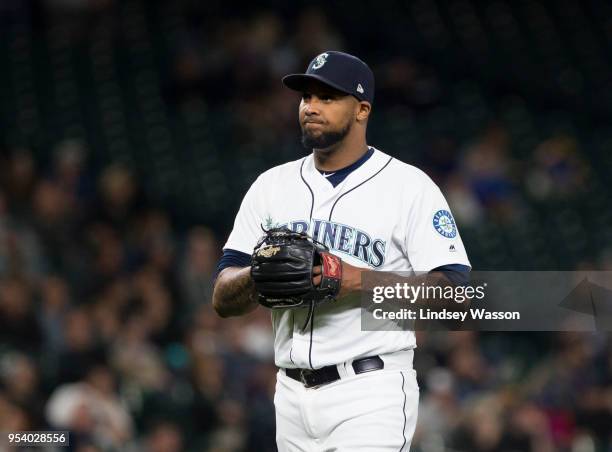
[385,215]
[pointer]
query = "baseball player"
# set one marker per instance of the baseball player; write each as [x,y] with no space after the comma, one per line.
[338,388]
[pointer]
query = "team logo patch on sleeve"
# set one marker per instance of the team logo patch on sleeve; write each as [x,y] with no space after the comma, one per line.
[444,223]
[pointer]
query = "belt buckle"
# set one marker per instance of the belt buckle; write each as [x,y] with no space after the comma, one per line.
[303,374]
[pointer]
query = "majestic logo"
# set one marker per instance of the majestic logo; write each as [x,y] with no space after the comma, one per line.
[359,88]
[452,248]
[444,223]
[320,61]
[268,251]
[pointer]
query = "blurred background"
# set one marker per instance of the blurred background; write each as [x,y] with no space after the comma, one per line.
[130,130]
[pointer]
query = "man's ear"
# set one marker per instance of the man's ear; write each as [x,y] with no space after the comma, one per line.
[363,111]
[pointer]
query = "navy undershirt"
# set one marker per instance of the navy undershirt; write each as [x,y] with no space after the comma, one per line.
[458,274]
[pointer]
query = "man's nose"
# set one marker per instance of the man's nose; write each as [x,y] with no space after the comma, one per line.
[311,108]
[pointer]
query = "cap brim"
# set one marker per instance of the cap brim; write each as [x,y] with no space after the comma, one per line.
[298,82]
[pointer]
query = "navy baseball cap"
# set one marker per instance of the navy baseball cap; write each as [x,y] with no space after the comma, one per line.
[342,71]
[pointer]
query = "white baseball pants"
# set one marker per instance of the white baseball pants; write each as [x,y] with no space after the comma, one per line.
[370,412]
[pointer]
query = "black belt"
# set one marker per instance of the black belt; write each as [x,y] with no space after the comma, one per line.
[329,374]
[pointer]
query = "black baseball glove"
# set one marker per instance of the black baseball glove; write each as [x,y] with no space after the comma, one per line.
[282,270]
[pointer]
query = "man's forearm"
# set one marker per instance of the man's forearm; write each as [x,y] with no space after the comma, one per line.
[234,293]
[352,282]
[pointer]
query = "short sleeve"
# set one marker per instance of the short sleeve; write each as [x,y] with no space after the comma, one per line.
[250,217]
[432,236]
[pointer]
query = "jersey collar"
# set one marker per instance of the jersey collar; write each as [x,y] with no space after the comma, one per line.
[336,177]
[360,172]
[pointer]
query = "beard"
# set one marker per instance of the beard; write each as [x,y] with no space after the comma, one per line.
[325,139]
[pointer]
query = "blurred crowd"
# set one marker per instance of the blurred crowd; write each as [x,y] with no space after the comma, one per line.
[538,392]
[106,326]
[106,330]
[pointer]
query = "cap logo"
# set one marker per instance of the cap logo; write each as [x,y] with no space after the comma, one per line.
[359,88]
[320,61]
